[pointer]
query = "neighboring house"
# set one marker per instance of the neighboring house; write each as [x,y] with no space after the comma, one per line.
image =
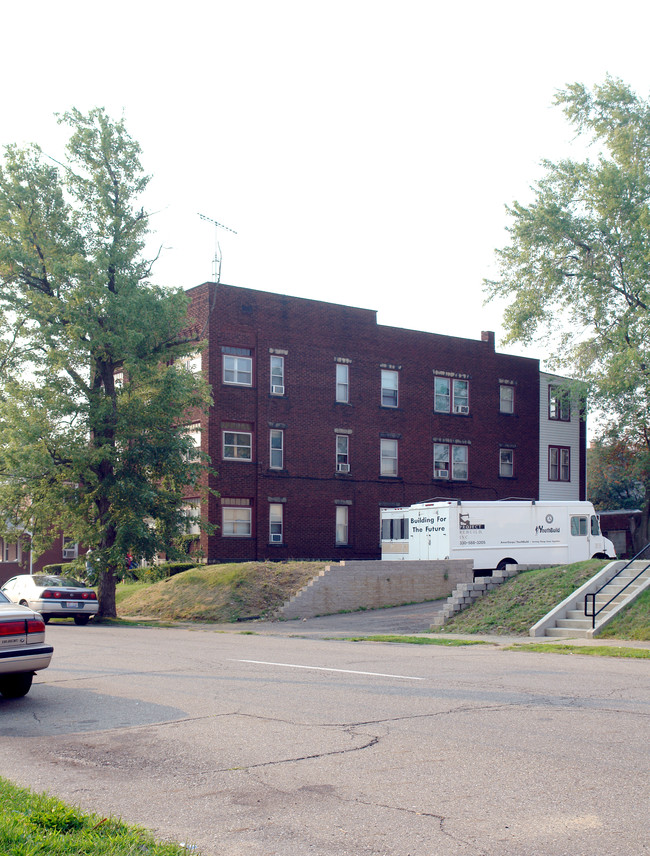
[14,556]
[619,526]
[563,440]
[321,417]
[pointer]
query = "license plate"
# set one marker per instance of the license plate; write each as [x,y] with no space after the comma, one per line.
[71,605]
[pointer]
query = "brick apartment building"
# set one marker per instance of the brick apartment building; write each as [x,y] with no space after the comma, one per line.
[321,417]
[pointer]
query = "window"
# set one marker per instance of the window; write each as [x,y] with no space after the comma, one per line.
[450,461]
[395,529]
[578,525]
[442,394]
[388,457]
[276,461]
[191,509]
[237,445]
[118,379]
[506,399]
[237,366]
[341,524]
[342,453]
[559,464]
[275,522]
[277,375]
[450,396]
[506,463]
[10,551]
[461,396]
[191,362]
[389,383]
[342,383]
[193,433]
[559,404]
[595,526]
[70,548]
[236,518]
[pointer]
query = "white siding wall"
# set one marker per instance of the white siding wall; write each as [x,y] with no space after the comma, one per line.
[555,433]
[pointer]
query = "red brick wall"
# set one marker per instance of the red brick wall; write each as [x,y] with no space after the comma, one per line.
[315,334]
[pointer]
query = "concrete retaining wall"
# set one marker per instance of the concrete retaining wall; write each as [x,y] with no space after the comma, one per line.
[370,585]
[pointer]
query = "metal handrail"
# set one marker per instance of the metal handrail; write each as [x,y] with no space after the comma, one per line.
[590,597]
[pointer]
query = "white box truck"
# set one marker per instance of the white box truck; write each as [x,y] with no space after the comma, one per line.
[494,534]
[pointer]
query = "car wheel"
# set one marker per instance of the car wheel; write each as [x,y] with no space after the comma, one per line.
[81,619]
[16,686]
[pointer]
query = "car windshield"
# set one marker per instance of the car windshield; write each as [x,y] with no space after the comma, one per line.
[4,598]
[57,582]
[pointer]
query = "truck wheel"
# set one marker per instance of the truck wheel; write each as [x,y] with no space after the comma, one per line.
[599,556]
[502,564]
[16,686]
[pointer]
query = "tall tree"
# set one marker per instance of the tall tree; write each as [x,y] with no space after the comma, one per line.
[92,402]
[577,267]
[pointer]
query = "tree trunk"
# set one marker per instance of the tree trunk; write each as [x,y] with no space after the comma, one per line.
[106,594]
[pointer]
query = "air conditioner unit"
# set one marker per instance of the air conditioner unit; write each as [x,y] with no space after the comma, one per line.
[277,389]
[70,553]
[441,474]
[276,538]
[343,468]
[461,408]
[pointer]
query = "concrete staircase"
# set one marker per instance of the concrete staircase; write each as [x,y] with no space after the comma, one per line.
[568,620]
[466,594]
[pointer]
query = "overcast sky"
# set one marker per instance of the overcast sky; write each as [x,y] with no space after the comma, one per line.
[362,150]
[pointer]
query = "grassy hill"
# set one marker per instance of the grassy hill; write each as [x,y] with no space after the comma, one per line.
[514,607]
[219,593]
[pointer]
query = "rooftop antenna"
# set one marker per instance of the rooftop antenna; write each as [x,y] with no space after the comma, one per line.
[216,261]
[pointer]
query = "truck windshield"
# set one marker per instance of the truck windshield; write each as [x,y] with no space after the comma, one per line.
[595,525]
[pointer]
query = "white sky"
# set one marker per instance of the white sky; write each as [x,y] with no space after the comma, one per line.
[363,150]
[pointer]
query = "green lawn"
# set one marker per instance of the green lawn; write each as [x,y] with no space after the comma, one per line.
[40,825]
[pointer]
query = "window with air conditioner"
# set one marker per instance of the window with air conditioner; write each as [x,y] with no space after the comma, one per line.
[276,520]
[451,396]
[342,453]
[450,461]
[70,548]
[277,375]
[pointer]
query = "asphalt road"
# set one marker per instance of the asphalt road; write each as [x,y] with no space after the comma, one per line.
[269,743]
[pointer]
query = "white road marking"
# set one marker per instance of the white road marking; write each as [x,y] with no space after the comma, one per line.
[324,669]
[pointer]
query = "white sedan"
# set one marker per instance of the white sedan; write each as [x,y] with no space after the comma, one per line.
[22,648]
[52,596]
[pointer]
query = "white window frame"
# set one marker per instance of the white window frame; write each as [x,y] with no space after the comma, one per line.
[236,519]
[7,551]
[237,367]
[342,525]
[342,453]
[238,444]
[343,383]
[506,398]
[191,509]
[191,362]
[193,431]
[389,457]
[276,449]
[506,463]
[276,523]
[69,548]
[389,388]
[460,390]
[441,394]
[277,374]
[447,457]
